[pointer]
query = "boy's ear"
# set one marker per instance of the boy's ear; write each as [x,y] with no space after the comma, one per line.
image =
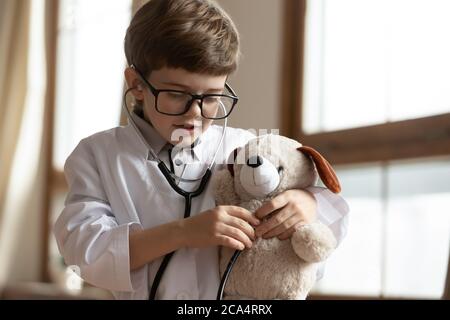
[133,81]
[324,168]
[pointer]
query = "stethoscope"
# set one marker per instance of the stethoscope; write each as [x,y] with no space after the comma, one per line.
[172,179]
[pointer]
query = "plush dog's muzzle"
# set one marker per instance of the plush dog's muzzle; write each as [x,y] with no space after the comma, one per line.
[259,176]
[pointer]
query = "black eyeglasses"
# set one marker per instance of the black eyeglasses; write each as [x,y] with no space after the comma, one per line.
[177,103]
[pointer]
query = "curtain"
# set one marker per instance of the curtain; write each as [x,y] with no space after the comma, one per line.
[14,44]
[23,162]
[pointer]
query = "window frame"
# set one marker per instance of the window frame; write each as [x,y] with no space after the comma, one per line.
[400,140]
[53,179]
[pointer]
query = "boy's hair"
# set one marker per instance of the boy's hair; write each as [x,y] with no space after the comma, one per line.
[196,35]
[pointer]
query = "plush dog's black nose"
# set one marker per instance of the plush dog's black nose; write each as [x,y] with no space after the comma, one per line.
[255,161]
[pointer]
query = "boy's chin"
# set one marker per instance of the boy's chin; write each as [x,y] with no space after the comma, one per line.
[185,138]
[185,141]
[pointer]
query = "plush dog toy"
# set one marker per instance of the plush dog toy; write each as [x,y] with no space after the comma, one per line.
[274,269]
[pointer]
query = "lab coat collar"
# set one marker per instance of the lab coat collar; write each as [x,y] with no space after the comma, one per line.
[156,141]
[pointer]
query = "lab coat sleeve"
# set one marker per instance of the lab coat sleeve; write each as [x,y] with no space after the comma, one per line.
[87,232]
[332,210]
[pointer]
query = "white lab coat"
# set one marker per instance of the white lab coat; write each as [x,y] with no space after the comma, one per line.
[114,188]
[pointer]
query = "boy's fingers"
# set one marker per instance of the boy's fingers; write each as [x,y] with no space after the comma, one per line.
[280,229]
[242,225]
[270,206]
[230,243]
[287,234]
[273,222]
[236,234]
[243,214]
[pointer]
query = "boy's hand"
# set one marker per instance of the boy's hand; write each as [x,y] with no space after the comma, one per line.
[290,208]
[228,226]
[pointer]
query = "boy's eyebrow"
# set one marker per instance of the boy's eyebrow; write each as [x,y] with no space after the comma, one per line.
[187,88]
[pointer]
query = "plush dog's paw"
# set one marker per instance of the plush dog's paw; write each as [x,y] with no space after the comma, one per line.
[313,242]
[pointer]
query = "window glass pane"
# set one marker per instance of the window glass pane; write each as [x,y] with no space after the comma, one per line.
[418,229]
[419,63]
[355,267]
[399,231]
[89,71]
[369,62]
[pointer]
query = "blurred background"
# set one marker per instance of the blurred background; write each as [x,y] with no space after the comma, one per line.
[366,82]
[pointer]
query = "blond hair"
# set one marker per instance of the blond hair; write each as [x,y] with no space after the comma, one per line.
[196,35]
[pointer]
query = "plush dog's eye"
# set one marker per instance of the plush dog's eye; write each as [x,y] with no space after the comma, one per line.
[280,169]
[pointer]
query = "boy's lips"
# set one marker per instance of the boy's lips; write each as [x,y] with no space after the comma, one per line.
[185,126]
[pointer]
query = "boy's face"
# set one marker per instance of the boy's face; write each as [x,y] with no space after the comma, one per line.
[186,128]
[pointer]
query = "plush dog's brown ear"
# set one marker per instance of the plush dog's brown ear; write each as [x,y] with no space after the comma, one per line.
[324,168]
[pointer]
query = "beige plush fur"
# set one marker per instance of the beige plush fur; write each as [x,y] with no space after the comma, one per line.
[272,269]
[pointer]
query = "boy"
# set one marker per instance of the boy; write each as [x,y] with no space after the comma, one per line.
[121,215]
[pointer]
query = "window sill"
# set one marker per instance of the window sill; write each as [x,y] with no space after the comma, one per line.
[48,291]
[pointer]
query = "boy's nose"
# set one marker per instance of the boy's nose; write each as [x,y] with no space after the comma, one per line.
[194,109]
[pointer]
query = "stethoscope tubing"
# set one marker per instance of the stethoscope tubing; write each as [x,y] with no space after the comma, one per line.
[226,274]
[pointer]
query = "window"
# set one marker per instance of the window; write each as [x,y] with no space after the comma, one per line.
[368,86]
